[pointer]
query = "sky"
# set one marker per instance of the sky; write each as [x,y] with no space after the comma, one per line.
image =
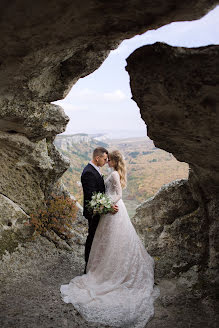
[101,102]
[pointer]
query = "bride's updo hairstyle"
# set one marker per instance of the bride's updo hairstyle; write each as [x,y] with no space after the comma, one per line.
[120,166]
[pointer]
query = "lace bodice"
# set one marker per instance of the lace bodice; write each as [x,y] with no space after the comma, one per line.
[113,187]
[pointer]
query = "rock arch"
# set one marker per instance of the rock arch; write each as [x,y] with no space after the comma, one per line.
[47,46]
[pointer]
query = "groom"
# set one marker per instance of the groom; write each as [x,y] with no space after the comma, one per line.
[92,181]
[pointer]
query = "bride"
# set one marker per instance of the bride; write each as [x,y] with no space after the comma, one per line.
[118,288]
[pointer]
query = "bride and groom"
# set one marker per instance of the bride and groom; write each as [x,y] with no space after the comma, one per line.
[117,287]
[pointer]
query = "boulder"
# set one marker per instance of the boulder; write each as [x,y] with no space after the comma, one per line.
[173,229]
[27,169]
[176,90]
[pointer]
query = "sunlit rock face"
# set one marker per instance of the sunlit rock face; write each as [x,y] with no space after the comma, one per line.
[27,169]
[176,90]
[173,229]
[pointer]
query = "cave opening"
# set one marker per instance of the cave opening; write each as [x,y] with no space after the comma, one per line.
[45,48]
[101,111]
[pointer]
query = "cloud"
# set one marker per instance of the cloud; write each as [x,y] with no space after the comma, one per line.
[88,96]
[114,96]
[68,106]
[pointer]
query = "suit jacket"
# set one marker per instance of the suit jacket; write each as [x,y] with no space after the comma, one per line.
[91,181]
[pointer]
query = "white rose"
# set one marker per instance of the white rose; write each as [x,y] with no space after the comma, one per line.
[93,203]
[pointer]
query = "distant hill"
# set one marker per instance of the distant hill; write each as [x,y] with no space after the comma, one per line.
[66,142]
[148,167]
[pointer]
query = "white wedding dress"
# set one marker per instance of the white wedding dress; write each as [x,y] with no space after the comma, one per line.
[118,289]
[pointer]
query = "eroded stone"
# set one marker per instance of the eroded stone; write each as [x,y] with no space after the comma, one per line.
[27,168]
[45,48]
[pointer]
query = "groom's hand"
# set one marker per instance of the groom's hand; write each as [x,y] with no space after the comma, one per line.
[115,209]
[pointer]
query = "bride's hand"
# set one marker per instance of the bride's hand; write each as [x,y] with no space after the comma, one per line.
[114,209]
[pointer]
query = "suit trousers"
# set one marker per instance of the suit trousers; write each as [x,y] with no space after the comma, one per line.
[92,226]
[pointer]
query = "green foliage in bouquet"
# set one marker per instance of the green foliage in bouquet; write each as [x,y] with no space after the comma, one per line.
[58,215]
[100,204]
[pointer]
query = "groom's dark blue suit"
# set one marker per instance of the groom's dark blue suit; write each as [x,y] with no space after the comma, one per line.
[92,182]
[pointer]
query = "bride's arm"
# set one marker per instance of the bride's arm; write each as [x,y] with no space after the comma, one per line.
[117,187]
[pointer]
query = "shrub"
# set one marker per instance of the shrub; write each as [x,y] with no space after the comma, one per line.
[147,152]
[134,154]
[58,215]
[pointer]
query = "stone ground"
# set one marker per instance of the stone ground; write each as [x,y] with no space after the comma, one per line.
[30,298]
[30,282]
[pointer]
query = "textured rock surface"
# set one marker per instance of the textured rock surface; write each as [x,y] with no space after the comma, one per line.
[28,172]
[45,48]
[182,308]
[31,276]
[30,279]
[49,46]
[12,229]
[36,120]
[11,213]
[176,90]
[27,168]
[173,229]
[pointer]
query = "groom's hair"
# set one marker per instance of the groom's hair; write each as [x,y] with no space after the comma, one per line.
[99,151]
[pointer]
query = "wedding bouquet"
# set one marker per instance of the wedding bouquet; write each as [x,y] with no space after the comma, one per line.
[100,203]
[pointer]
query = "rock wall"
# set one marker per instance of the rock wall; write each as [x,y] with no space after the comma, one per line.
[174,229]
[176,91]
